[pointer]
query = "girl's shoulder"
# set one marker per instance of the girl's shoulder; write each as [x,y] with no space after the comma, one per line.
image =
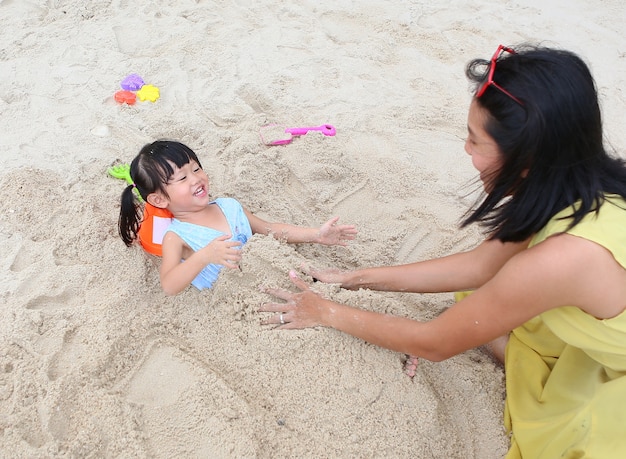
[226,200]
[228,203]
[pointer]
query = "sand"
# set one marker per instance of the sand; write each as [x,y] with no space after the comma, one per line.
[95,361]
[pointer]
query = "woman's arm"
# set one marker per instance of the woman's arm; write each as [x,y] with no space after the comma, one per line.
[463,326]
[561,271]
[461,271]
[330,233]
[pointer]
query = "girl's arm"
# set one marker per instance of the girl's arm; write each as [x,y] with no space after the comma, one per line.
[328,234]
[177,275]
[461,271]
[562,271]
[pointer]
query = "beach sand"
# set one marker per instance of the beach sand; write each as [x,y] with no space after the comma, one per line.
[95,361]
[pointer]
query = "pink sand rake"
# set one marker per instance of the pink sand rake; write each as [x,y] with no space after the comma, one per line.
[274,134]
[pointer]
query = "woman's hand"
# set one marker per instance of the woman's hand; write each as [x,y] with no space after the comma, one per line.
[221,251]
[328,276]
[302,309]
[332,234]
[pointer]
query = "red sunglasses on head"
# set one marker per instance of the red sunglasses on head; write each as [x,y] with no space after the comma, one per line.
[492,69]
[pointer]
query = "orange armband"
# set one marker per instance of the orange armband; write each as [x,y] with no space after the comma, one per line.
[153,227]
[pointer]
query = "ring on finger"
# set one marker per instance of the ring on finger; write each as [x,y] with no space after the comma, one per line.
[281,317]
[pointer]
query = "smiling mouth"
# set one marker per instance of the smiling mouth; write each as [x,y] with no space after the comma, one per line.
[199,191]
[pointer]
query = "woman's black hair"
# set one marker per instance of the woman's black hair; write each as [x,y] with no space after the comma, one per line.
[150,170]
[552,143]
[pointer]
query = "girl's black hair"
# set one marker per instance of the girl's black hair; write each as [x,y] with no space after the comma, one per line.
[150,170]
[552,143]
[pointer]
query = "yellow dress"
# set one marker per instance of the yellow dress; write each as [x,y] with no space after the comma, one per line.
[566,370]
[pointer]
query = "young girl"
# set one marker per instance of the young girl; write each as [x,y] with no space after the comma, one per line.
[550,277]
[206,234]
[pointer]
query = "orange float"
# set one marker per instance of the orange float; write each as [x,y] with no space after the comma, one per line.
[153,226]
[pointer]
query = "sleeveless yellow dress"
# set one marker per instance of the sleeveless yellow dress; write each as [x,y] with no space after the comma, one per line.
[566,370]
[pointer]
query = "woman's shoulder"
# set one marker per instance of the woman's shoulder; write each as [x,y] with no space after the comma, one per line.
[604,227]
[614,203]
[609,217]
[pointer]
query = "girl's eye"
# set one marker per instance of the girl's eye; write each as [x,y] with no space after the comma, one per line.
[196,169]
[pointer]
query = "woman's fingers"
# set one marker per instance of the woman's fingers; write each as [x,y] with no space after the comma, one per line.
[277,307]
[283,321]
[297,281]
[279,293]
[308,270]
[289,314]
[284,294]
[278,319]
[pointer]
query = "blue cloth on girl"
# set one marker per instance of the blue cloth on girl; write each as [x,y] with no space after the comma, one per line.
[197,237]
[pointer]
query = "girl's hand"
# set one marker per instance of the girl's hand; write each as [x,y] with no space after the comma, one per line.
[301,310]
[221,251]
[332,234]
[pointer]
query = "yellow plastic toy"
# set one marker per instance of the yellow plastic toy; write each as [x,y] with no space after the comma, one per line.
[148,92]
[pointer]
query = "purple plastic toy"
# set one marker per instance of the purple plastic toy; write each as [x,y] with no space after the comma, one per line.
[132,82]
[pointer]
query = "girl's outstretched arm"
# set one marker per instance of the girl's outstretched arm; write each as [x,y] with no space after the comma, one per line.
[330,233]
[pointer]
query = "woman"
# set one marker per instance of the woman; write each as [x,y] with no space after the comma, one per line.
[550,278]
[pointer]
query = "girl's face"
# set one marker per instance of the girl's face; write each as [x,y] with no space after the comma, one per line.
[188,188]
[484,151]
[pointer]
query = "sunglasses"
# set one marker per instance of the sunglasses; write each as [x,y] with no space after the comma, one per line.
[492,69]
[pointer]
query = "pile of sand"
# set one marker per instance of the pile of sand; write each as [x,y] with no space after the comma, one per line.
[96,361]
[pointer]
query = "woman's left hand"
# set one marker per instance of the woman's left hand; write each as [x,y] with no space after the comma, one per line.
[331,233]
[302,309]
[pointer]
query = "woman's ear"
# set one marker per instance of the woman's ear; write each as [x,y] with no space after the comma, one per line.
[157,200]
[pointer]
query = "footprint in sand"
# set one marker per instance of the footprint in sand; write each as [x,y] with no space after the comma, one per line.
[6,379]
[62,300]
[73,353]
[188,411]
[161,380]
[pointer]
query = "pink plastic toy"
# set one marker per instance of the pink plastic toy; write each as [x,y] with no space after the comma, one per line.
[279,135]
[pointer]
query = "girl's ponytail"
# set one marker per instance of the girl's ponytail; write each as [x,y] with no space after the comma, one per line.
[130,216]
[150,171]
